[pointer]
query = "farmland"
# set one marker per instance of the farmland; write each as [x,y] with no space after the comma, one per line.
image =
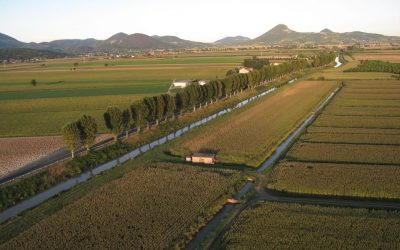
[259,128]
[290,226]
[63,95]
[151,207]
[385,55]
[338,179]
[352,149]
[340,74]
[16,152]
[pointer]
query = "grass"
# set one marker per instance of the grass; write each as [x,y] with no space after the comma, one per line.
[259,128]
[290,226]
[152,61]
[46,116]
[152,207]
[64,95]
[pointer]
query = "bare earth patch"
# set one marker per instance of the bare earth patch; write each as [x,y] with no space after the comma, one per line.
[16,152]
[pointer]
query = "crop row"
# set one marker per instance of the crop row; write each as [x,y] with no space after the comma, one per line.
[351,180]
[359,122]
[366,138]
[291,226]
[365,103]
[151,207]
[334,130]
[317,129]
[380,96]
[345,153]
[361,111]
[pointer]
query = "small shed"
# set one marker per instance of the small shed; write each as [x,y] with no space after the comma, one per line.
[203,158]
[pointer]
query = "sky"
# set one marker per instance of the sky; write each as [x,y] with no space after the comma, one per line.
[204,20]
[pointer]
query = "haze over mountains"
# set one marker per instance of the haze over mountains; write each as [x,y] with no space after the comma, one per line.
[279,35]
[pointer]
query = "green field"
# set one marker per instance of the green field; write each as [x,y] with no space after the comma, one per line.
[290,226]
[62,95]
[352,149]
[259,128]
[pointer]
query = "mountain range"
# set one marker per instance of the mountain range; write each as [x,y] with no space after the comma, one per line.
[279,35]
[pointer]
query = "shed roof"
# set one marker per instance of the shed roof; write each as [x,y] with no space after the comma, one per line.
[203,155]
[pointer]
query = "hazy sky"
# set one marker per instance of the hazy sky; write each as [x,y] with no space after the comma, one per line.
[204,20]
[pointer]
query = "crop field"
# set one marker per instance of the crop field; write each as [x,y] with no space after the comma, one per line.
[259,127]
[353,138]
[352,149]
[16,152]
[290,226]
[345,153]
[62,95]
[339,74]
[151,207]
[373,181]
[390,56]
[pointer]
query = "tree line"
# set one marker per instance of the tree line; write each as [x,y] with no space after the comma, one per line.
[151,110]
[323,59]
[255,63]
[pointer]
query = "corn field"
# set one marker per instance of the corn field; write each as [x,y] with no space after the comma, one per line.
[290,226]
[151,207]
[352,149]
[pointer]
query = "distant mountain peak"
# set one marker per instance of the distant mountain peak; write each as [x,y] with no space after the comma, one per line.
[326,31]
[120,34]
[232,40]
[281,28]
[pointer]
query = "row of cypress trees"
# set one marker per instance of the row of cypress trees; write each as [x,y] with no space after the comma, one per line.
[151,110]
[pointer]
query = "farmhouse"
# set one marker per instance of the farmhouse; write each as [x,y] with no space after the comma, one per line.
[184,83]
[278,57]
[245,70]
[202,82]
[202,158]
[181,84]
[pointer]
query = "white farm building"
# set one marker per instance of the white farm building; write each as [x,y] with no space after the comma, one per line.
[181,84]
[245,70]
